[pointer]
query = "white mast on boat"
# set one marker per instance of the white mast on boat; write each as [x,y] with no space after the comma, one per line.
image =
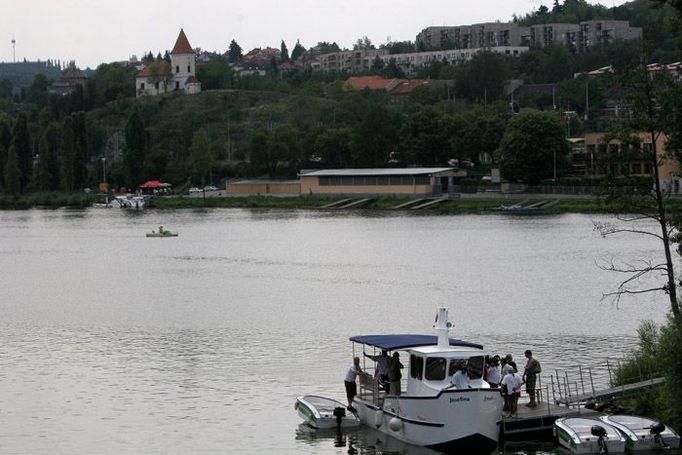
[443,326]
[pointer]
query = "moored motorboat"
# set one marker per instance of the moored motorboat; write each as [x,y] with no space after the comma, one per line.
[324,413]
[431,412]
[643,433]
[583,435]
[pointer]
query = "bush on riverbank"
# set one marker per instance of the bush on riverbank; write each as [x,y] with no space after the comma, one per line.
[45,200]
[659,354]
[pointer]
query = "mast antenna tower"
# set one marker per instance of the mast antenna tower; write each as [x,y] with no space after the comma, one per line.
[14,50]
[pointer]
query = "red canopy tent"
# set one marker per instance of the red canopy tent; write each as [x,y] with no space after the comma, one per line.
[153,184]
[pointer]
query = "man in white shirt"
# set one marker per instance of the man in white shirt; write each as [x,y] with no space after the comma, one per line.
[511,386]
[493,375]
[459,380]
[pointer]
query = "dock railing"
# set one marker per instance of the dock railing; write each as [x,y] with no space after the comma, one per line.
[573,387]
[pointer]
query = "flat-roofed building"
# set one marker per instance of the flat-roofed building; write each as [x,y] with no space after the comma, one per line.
[425,181]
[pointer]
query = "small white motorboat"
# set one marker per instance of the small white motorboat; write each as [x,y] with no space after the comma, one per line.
[324,413]
[583,435]
[643,433]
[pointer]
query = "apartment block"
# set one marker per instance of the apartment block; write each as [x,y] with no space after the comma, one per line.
[580,36]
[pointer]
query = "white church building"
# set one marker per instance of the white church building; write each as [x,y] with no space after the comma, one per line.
[162,77]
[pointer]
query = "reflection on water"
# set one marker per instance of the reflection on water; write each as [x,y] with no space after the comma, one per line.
[114,343]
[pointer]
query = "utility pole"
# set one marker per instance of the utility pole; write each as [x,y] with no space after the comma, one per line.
[14,50]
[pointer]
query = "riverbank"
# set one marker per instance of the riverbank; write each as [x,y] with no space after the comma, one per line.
[466,204]
[45,200]
[548,204]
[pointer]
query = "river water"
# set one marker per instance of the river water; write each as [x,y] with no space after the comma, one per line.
[111,342]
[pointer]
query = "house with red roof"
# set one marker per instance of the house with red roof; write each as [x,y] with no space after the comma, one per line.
[398,88]
[179,75]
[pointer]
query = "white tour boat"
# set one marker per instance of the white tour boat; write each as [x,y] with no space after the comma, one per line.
[643,433]
[583,435]
[324,413]
[427,414]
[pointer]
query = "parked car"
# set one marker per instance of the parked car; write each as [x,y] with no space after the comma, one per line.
[194,189]
[210,188]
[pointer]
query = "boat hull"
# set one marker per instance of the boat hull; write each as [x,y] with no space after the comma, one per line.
[573,434]
[638,433]
[454,420]
[162,235]
[318,412]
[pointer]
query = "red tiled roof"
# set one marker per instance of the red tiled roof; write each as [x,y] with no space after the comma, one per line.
[182,45]
[157,68]
[406,87]
[367,82]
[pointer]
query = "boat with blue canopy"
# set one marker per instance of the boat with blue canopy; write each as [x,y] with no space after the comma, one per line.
[432,411]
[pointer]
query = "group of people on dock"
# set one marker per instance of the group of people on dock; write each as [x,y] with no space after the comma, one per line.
[500,372]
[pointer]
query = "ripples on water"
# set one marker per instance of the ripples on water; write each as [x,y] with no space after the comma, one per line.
[114,343]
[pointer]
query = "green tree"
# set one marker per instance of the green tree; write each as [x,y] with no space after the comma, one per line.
[201,157]
[5,88]
[80,145]
[135,146]
[12,173]
[363,44]
[334,148]
[399,47]
[426,137]
[234,53]
[216,74]
[37,91]
[46,173]
[327,48]
[298,51]
[375,137]
[21,142]
[276,153]
[482,78]
[5,142]
[67,157]
[284,52]
[532,143]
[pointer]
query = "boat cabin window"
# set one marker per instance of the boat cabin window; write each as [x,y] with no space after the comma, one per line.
[435,369]
[416,366]
[474,366]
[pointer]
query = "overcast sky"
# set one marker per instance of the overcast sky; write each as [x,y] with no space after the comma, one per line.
[96,31]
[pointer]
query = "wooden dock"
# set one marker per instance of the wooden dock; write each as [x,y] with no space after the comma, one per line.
[537,422]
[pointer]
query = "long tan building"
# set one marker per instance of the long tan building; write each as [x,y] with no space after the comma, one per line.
[426,181]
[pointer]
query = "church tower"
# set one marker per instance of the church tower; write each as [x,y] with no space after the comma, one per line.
[183,65]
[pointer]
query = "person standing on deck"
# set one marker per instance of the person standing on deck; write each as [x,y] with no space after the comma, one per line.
[530,376]
[493,375]
[394,373]
[511,387]
[349,382]
[381,369]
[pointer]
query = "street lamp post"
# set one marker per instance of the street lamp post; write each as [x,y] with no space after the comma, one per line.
[104,169]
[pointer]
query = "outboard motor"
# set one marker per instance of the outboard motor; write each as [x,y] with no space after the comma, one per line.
[656,429]
[339,413]
[600,432]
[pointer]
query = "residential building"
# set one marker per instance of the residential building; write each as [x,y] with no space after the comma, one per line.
[397,88]
[70,80]
[580,37]
[179,75]
[355,61]
[409,63]
[616,158]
